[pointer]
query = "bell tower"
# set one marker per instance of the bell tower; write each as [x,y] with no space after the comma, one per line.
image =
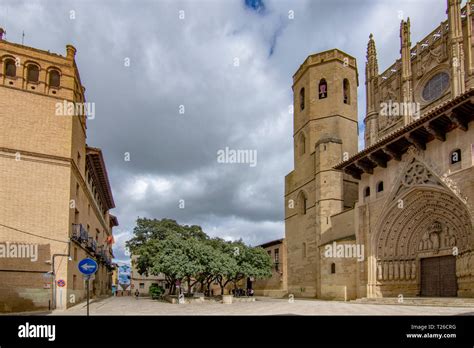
[325,132]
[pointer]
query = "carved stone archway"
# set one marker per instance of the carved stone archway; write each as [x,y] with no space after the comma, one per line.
[429,222]
[422,217]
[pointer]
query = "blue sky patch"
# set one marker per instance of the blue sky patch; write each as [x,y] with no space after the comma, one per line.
[255,5]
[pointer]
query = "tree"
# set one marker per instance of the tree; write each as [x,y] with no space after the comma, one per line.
[187,253]
[153,229]
[225,268]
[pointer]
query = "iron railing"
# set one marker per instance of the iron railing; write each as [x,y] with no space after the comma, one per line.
[79,233]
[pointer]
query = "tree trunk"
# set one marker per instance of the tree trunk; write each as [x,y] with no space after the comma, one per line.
[201,284]
[189,285]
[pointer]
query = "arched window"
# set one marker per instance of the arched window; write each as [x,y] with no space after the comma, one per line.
[32,73]
[323,89]
[380,186]
[302,203]
[10,68]
[346,91]
[302,98]
[54,78]
[455,156]
[367,191]
[333,268]
[302,144]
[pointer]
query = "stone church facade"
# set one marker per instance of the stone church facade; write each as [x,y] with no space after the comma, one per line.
[395,218]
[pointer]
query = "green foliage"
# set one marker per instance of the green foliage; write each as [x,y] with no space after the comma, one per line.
[153,229]
[156,291]
[187,253]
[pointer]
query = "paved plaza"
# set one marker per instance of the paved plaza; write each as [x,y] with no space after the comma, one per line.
[262,306]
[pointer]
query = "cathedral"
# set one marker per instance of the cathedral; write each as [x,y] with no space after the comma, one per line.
[396,218]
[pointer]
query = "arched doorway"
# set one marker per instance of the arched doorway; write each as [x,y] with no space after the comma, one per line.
[421,236]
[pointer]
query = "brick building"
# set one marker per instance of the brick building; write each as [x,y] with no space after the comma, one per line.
[54,190]
[277,284]
[143,282]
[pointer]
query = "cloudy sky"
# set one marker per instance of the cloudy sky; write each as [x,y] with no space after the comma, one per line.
[228,64]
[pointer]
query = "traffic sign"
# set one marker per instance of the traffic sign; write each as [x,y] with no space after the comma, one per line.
[61,283]
[87,266]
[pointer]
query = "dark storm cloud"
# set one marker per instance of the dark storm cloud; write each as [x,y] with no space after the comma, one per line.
[190,62]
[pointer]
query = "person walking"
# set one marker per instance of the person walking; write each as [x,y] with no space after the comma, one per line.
[137,293]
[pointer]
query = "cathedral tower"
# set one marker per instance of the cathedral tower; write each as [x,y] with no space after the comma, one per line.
[325,132]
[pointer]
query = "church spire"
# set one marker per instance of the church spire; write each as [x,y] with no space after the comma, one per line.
[371,78]
[456,48]
[406,74]
[372,57]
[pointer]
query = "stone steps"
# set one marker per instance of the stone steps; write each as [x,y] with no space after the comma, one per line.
[419,301]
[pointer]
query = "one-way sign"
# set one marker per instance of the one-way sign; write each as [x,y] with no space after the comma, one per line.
[87,266]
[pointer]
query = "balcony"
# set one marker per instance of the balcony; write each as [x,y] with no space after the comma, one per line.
[108,262]
[101,254]
[91,244]
[79,233]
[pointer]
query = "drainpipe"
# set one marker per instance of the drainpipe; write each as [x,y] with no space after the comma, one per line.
[53,292]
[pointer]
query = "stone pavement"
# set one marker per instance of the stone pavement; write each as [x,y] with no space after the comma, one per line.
[262,306]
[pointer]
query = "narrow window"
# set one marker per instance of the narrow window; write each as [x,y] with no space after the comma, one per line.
[76,217]
[367,191]
[54,79]
[380,186]
[456,156]
[346,91]
[333,268]
[304,249]
[74,282]
[277,259]
[32,73]
[323,89]
[10,68]
[302,144]
[75,254]
[302,203]
[302,98]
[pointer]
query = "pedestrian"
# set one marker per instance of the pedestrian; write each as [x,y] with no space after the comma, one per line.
[137,293]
